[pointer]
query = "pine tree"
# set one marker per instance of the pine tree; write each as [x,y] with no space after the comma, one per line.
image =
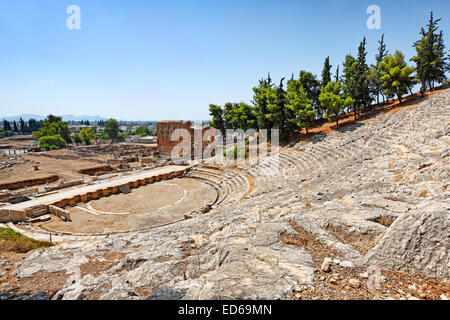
[111,129]
[269,103]
[301,112]
[64,131]
[326,72]
[52,118]
[247,117]
[396,75]
[77,138]
[217,121]
[228,117]
[441,65]
[334,100]
[312,87]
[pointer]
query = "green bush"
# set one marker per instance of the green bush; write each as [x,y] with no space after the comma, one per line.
[122,136]
[14,241]
[52,142]
[234,153]
[103,135]
[8,133]
[45,146]
[142,131]
[53,127]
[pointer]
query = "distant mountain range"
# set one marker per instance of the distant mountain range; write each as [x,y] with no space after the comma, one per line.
[65,117]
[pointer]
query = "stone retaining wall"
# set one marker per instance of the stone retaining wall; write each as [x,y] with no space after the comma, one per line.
[26,192]
[27,183]
[95,170]
[7,215]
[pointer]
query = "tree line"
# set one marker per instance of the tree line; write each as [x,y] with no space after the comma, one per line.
[20,127]
[307,99]
[55,133]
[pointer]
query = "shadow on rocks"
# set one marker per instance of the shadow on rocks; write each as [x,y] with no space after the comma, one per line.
[167,294]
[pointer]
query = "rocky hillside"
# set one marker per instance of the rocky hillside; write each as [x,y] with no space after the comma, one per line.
[360,213]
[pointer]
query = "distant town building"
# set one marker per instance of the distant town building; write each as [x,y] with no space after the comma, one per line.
[139,139]
[76,128]
[148,139]
[126,129]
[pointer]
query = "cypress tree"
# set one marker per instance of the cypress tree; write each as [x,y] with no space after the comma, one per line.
[336,76]
[6,125]
[275,107]
[260,102]
[362,93]
[349,86]
[375,83]
[23,126]
[431,60]
[326,72]
[382,52]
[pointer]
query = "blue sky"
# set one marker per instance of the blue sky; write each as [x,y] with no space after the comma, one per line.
[155,60]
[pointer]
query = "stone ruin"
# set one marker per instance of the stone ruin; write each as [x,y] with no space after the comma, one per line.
[165,129]
[393,165]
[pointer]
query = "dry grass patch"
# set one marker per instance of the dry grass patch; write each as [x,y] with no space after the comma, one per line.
[145,291]
[305,239]
[361,242]
[385,220]
[95,295]
[41,281]
[11,240]
[96,267]
[335,284]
